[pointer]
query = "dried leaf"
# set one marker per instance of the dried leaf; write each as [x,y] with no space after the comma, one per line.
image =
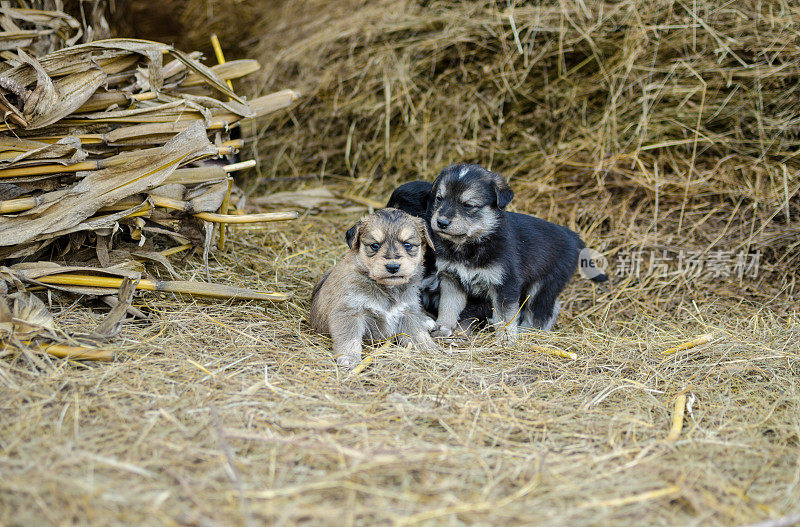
[199,101]
[99,222]
[196,175]
[71,92]
[66,151]
[148,133]
[43,96]
[159,258]
[51,19]
[103,99]
[207,198]
[78,58]
[207,74]
[112,323]
[56,23]
[28,317]
[166,112]
[174,191]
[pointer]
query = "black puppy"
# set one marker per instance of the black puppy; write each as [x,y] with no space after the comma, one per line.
[519,263]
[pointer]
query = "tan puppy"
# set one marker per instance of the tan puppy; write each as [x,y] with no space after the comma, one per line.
[374,291]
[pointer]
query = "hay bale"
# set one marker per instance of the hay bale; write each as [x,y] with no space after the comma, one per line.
[657,126]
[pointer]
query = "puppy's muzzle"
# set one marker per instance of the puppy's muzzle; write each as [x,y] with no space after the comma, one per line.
[443,225]
[392,273]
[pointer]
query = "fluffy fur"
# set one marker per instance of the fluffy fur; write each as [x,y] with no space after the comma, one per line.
[518,263]
[374,291]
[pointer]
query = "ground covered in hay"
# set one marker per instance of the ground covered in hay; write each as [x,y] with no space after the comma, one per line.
[237,414]
[664,133]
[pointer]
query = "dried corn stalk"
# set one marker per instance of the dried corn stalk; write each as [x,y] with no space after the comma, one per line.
[115,144]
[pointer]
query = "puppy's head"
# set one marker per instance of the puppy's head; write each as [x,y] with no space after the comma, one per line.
[411,197]
[466,202]
[389,246]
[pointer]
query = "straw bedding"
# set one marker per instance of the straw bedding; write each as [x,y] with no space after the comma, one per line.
[223,413]
[215,414]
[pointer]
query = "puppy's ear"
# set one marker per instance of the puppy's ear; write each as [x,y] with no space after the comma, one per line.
[434,188]
[353,235]
[422,228]
[430,199]
[503,190]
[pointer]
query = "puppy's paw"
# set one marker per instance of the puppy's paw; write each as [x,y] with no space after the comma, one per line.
[348,360]
[430,324]
[441,331]
[426,342]
[507,335]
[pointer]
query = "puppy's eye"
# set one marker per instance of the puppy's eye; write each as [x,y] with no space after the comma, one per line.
[469,205]
[375,246]
[408,246]
[438,199]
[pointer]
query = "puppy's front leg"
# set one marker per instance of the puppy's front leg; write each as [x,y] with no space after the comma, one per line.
[415,328]
[506,310]
[452,301]
[347,333]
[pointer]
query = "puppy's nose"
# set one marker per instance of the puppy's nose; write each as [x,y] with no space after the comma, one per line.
[393,267]
[443,223]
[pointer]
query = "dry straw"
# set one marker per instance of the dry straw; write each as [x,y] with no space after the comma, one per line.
[633,122]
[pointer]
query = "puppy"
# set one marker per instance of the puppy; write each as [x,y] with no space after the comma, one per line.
[374,291]
[518,263]
[412,198]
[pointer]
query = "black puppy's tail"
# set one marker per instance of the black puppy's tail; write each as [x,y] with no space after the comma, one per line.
[599,278]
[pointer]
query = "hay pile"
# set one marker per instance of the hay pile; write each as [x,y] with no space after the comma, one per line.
[656,128]
[102,163]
